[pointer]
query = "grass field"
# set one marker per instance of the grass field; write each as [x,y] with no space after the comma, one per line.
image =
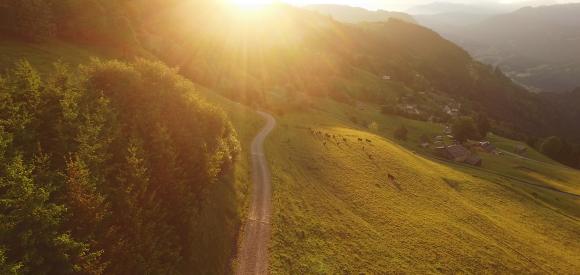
[336,211]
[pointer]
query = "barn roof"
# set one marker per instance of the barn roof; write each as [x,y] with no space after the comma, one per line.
[458,151]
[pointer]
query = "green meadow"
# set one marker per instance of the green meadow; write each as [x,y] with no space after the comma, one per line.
[336,211]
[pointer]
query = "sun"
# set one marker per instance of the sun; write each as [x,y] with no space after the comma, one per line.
[252,3]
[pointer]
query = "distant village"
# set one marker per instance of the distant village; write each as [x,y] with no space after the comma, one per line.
[464,153]
[426,106]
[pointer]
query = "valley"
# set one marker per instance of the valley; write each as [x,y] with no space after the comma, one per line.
[262,138]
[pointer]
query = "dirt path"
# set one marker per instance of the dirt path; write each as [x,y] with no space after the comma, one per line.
[253,252]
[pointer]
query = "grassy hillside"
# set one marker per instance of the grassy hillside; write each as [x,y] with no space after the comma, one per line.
[337,212]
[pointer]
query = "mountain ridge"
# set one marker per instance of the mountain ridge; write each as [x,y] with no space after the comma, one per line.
[350,14]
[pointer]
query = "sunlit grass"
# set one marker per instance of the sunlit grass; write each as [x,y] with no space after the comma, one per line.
[335,211]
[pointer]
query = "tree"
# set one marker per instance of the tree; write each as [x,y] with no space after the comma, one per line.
[483,125]
[142,240]
[30,223]
[401,133]
[464,128]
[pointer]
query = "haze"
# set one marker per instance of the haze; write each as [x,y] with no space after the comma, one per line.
[398,5]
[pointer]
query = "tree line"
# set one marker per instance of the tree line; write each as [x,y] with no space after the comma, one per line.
[104,168]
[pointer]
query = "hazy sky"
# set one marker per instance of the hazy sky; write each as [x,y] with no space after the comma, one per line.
[397,4]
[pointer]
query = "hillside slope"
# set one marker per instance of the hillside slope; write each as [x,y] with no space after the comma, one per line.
[335,208]
[308,54]
[357,15]
[336,211]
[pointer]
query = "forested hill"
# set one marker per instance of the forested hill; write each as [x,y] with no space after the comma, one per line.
[104,168]
[303,52]
[107,168]
[358,15]
[414,56]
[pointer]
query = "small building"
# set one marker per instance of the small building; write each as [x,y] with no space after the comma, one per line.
[458,153]
[387,77]
[487,146]
[425,144]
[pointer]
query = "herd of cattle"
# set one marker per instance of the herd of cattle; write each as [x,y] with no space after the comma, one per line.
[338,140]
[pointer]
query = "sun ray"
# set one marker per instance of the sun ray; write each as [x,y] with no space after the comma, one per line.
[252,3]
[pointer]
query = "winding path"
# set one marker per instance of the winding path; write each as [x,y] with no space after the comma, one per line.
[253,252]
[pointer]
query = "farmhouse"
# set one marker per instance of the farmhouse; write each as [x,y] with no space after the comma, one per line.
[487,146]
[458,153]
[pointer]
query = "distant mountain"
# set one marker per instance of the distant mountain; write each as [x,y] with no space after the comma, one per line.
[481,8]
[350,14]
[538,47]
[450,22]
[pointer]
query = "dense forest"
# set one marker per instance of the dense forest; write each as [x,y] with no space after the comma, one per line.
[103,168]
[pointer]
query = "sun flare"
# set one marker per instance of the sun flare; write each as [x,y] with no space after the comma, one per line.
[252,3]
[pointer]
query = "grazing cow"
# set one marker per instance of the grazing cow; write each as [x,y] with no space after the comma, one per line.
[369,141]
[391,177]
[370,156]
[344,139]
[360,139]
